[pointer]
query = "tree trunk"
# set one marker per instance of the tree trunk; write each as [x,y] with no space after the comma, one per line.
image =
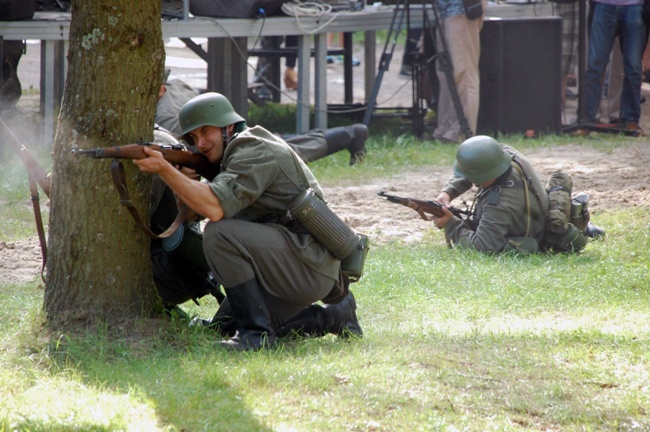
[98,262]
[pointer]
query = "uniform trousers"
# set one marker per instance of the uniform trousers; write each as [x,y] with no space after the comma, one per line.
[239,251]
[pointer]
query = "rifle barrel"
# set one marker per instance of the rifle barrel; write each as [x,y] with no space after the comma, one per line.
[92,152]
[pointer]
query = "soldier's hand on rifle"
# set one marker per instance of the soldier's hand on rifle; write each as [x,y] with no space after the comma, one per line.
[153,163]
[444,198]
[442,221]
[189,172]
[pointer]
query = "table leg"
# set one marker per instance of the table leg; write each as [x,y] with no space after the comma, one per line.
[320,97]
[302,107]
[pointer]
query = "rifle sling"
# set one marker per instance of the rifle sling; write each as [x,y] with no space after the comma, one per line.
[33,188]
[119,179]
[418,209]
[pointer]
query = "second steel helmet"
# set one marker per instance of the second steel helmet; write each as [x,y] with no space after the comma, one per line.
[208,109]
[480,159]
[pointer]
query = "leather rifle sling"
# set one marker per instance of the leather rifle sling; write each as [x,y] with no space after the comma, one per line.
[119,179]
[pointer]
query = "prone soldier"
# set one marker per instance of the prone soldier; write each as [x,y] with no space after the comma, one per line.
[511,208]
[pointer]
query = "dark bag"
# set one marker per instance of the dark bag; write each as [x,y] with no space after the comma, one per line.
[473,9]
[10,88]
[236,8]
[13,10]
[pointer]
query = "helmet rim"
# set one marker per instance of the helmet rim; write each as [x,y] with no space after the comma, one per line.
[208,109]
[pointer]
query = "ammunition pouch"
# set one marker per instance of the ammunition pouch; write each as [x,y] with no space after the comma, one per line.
[345,244]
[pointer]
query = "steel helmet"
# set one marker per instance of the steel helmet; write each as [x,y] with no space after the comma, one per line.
[480,159]
[208,109]
[163,136]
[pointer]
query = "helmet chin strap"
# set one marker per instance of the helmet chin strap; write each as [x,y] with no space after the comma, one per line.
[224,136]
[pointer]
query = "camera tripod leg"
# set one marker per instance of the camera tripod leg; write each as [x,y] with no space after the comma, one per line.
[386,56]
[401,8]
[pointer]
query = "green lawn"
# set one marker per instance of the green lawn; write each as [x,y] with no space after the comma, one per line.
[453,341]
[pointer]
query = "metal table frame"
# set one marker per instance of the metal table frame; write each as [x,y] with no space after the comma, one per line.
[227,51]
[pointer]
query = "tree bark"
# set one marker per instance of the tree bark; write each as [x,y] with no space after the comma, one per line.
[98,261]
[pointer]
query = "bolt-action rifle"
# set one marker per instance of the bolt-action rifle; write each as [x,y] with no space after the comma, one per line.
[424,206]
[173,153]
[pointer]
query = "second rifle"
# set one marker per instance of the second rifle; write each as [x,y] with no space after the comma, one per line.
[422,207]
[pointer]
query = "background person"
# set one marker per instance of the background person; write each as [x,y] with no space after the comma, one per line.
[462,37]
[610,19]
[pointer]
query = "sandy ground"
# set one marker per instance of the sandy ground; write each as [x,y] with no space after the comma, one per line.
[612,179]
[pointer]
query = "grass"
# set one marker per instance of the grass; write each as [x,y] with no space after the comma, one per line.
[453,340]
[16,211]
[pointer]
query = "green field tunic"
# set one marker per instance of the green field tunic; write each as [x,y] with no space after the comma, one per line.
[258,180]
[502,220]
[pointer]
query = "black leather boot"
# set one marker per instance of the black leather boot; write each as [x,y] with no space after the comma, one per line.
[316,321]
[251,317]
[593,231]
[351,138]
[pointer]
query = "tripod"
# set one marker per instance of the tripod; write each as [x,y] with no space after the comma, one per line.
[402,9]
[582,123]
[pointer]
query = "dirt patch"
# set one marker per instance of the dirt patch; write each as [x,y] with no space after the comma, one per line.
[20,261]
[612,179]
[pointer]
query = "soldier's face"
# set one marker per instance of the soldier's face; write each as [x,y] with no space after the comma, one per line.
[209,141]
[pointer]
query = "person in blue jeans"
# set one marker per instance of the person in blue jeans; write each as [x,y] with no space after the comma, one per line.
[612,18]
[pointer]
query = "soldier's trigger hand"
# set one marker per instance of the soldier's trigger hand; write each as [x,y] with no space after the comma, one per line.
[153,163]
[440,222]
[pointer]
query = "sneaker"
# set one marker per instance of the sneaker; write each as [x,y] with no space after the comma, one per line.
[330,59]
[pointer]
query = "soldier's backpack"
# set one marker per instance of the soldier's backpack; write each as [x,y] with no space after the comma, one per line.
[566,217]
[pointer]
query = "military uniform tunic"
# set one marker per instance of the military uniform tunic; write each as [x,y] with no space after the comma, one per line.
[504,219]
[258,180]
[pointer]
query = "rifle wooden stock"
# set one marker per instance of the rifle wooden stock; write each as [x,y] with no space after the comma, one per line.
[424,206]
[174,154]
[34,169]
